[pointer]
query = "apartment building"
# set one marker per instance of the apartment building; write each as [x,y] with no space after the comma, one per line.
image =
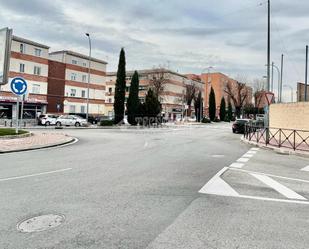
[172,97]
[28,60]
[68,83]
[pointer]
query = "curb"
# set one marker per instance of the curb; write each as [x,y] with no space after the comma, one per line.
[283,151]
[73,139]
[28,134]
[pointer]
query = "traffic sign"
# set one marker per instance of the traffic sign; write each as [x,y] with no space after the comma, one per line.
[19,86]
[269,97]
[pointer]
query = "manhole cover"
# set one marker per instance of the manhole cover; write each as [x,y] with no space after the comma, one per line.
[40,223]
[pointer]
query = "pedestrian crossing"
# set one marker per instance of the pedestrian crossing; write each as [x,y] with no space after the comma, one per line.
[234,181]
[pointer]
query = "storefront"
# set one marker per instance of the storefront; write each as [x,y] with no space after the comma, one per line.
[32,107]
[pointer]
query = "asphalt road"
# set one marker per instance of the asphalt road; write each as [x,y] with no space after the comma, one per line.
[140,189]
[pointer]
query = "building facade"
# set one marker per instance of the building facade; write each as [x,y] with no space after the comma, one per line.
[301,87]
[219,82]
[172,96]
[68,83]
[28,60]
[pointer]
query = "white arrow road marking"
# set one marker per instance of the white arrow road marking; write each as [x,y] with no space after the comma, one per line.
[278,187]
[217,186]
[305,169]
[38,174]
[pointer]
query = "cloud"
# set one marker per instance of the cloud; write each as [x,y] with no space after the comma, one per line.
[187,36]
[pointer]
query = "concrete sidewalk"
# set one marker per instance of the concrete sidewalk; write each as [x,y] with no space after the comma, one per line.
[36,141]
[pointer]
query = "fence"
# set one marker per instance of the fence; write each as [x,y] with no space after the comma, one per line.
[278,137]
[12,122]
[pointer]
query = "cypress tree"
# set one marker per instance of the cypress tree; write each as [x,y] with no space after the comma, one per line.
[230,111]
[120,88]
[152,104]
[212,105]
[222,109]
[133,100]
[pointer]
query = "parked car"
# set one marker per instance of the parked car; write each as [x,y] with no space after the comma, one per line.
[239,125]
[71,120]
[47,119]
[91,119]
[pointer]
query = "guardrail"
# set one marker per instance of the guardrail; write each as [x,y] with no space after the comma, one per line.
[278,137]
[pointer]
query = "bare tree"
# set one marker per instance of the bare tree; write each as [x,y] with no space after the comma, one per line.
[190,94]
[158,80]
[238,92]
[259,86]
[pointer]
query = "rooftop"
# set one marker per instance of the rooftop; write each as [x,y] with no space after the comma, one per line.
[86,57]
[23,40]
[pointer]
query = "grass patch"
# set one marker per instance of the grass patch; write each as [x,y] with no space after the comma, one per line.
[10,131]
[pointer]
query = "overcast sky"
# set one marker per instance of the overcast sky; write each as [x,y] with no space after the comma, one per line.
[186,36]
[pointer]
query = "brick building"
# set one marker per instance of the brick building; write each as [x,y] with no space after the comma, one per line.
[172,97]
[301,92]
[68,83]
[29,60]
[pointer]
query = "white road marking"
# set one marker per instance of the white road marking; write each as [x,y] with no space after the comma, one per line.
[38,174]
[237,165]
[248,155]
[305,169]
[274,176]
[243,160]
[217,156]
[145,144]
[278,187]
[273,199]
[251,152]
[255,149]
[217,186]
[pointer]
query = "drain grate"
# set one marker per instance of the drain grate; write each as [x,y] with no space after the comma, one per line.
[40,223]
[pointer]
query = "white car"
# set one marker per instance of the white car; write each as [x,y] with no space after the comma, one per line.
[48,119]
[71,120]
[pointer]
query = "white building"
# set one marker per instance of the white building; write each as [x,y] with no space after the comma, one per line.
[29,60]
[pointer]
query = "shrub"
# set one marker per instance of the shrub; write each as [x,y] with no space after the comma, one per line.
[106,122]
[217,120]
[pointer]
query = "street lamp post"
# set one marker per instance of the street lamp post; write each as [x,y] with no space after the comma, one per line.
[279,81]
[89,65]
[208,82]
[291,91]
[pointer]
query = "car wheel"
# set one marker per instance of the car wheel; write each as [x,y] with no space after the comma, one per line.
[58,124]
[77,124]
[47,123]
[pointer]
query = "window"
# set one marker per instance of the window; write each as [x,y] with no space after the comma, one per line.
[72,108]
[84,78]
[36,88]
[110,89]
[109,100]
[82,109]
[142,88]
[22,48]
[73,76]
[73,93]
[37,52]
[21,67]
[74,62]
[84,64]
[142,100]
[37,70]
[83,93]
[127,88]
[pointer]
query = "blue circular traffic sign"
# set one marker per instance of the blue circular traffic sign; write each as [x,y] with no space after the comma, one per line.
[19,86]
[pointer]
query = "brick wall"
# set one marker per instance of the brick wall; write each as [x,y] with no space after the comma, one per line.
[56,82]
[290,115]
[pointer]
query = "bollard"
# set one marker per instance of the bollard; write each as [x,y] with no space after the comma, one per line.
[5,123]
[11,124]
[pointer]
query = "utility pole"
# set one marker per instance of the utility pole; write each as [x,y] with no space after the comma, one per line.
[281,77]
[272,77]
[306,73]
[89,66]
[268,48]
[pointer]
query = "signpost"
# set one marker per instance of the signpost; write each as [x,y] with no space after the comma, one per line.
[5,52]
[19,87]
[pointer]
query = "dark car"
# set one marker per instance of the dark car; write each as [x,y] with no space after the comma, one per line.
[91,119]
[239,125]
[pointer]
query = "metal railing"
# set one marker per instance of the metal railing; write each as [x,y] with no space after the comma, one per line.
[278,137]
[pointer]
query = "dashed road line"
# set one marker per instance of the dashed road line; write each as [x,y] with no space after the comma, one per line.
[278,187]
[237,165]
[32,175]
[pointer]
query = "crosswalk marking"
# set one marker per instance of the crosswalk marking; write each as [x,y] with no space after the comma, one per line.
[278,187]
[243,160]
[237,165]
